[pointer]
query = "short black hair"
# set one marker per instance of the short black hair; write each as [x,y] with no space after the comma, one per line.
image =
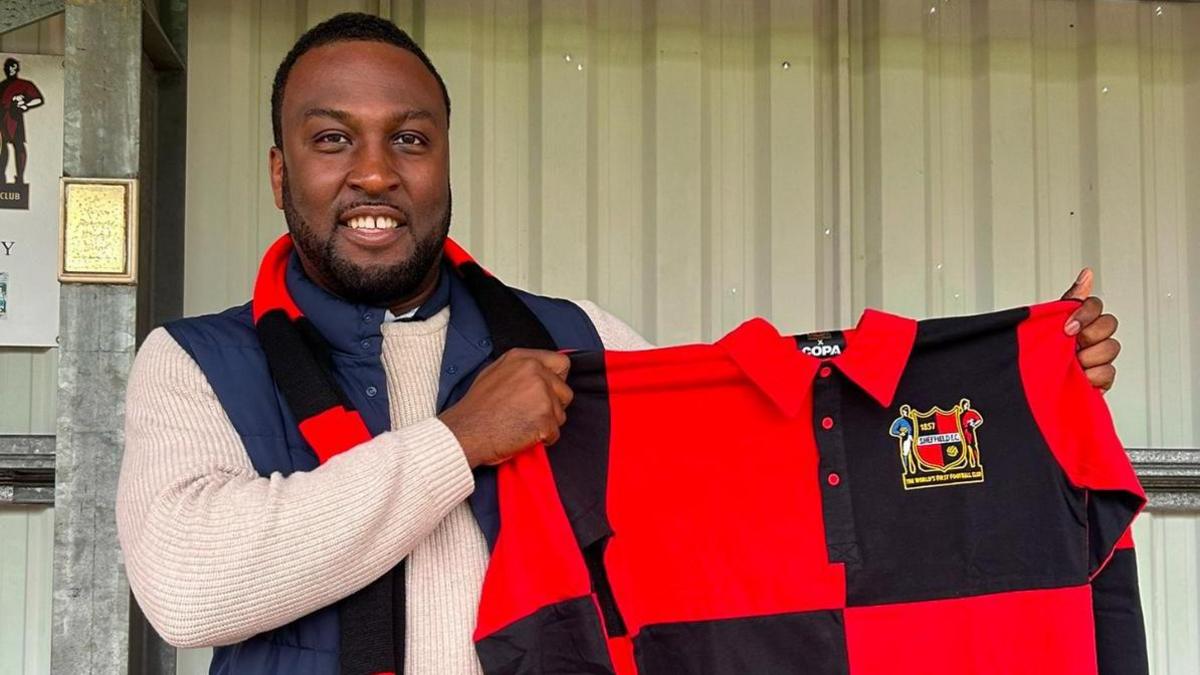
[345,27]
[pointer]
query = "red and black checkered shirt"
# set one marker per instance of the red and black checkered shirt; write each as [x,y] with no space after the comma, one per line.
[938,497]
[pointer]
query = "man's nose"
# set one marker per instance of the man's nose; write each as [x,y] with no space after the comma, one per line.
[374,171]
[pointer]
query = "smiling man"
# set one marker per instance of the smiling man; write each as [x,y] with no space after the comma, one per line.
[234,534]
[368,198]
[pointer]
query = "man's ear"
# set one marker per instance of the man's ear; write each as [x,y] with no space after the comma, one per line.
[275,162]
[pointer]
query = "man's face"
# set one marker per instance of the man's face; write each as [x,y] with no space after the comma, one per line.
[363,176]
[12,69]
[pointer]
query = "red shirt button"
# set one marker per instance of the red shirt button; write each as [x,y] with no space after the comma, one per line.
[827,423]
[834,479]
[826,371]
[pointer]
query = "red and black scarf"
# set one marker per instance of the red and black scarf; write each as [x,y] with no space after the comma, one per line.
[372,619]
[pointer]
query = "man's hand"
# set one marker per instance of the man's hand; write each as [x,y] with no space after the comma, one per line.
[1097,349]
[518,401]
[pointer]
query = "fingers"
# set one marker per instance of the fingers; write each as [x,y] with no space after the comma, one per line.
[559,364]
[1082,287]
[551,429]
[1101,377]
[516,402]
[1100,330]
[1101,354]
[560,396]
[1081,318]
[550,436]
[562,392]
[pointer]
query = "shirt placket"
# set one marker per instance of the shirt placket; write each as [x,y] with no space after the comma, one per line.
[829,431]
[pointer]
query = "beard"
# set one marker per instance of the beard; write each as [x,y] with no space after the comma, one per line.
[376,285]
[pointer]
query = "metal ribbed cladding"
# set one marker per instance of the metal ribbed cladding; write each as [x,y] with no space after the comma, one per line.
[1171,476]
[27,469]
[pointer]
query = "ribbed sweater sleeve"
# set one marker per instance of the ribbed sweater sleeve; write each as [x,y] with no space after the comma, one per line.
[216,553]
[614,333]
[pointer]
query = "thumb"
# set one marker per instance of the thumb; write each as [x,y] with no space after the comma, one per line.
[1082,288]
[557,362]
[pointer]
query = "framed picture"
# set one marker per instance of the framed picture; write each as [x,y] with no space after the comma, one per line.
[98,231]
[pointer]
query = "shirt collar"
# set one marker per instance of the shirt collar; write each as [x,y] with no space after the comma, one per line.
[388,317]
[344,325]
[877,353]
[875,356]
[347,325]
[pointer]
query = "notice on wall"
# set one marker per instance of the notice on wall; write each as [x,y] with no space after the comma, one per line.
[31,132]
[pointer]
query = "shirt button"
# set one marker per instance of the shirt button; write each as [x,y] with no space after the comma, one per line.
[371,391]
[485,343]
[366,344]
[827,423]
[825,371]
[452,369]
[833,479]
[367,317]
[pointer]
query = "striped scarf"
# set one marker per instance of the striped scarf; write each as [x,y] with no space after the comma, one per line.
[372,619]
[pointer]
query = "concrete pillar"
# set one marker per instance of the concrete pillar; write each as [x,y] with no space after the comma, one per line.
[120,63]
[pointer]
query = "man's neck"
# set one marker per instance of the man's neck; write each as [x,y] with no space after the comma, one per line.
[427,288]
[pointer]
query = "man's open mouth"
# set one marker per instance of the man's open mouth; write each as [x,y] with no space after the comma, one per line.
[372,223]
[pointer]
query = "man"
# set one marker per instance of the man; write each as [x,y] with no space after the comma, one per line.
[230,537]
[17,97]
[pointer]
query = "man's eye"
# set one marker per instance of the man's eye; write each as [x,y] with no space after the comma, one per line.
[333,137]
[410,139]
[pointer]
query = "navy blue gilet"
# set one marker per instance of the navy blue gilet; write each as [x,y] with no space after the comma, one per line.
[226,348]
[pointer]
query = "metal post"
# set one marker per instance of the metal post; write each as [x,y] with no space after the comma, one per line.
[102,120]
[161,254]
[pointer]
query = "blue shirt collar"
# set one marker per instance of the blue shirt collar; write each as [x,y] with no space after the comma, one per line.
[353,328]
[347,327]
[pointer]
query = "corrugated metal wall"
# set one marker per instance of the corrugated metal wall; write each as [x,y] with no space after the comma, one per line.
[26,571]
[28,378]
[689,163]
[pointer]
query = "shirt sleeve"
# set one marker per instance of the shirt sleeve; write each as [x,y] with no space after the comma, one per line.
[201,530]
[1076,424]
[1117,609]
[1078,427]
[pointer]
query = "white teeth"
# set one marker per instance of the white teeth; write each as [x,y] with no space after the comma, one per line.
[373,223]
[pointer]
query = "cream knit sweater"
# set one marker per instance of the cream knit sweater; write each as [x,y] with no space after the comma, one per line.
[216,553]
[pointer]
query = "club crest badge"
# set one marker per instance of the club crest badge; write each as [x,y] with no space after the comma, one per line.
[939,447]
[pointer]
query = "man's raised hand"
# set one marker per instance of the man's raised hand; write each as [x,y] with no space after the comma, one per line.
[1094,330]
